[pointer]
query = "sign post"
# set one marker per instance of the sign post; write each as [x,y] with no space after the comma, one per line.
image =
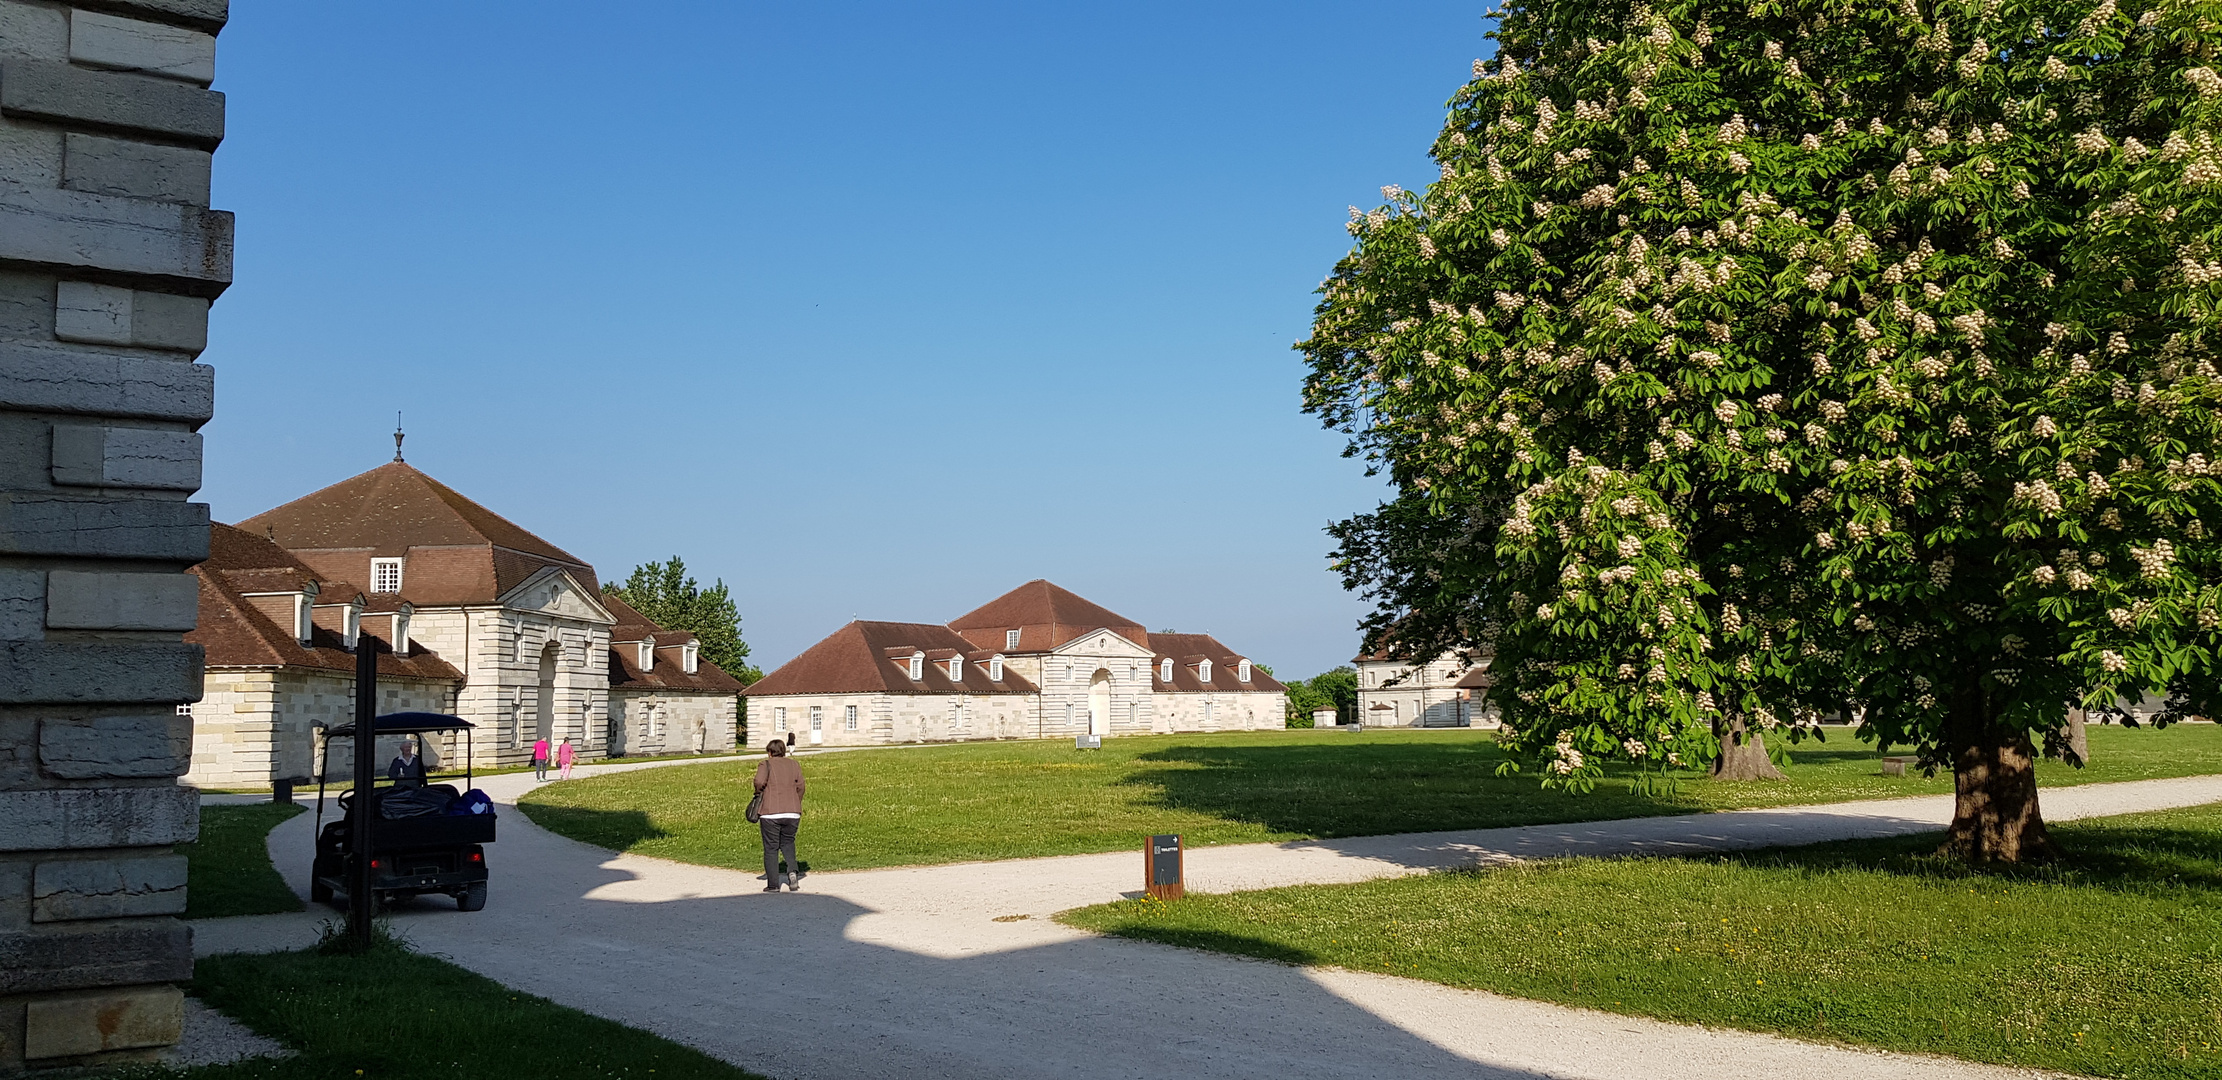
[366,749]
[1162,867]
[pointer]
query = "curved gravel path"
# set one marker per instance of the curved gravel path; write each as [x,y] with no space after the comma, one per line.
[907,972]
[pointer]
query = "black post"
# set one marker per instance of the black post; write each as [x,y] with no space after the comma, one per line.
[366,750]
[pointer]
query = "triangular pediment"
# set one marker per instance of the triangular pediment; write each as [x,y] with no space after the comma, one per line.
[1102,643]
[553,591]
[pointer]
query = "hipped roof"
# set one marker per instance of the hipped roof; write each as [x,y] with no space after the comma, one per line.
[625,671]
[874,657]
[1185,650]
[1045,615]
[235,633]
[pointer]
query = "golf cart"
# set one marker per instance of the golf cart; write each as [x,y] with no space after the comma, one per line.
[426,837]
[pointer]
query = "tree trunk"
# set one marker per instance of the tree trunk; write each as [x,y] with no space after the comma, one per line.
[1994,785]
[2072,744]
[1743,752]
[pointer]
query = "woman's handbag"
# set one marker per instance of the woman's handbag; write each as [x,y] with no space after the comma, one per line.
[755,811]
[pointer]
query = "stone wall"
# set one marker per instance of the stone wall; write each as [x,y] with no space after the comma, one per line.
[670,722]
[253,726]
[883,719]
[109,257]
[1222,711]
[1419,695]
[498,650]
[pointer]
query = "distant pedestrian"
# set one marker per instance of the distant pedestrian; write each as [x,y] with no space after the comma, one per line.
[564,754]
[540,759]
[779,780]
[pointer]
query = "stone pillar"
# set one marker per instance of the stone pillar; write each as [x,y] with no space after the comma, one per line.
[109,256]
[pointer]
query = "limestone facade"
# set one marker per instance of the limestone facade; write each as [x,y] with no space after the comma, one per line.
[109,258]
[253,726]
[1038,662]
[1446,691]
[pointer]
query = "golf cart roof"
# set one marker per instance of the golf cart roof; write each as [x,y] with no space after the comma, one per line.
[403,723]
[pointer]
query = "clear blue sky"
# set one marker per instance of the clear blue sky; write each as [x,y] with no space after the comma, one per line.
[870,309]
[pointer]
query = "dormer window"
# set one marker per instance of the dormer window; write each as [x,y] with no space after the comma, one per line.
[1010,639]
[1242,671]
[304,617]
[351,625]
[1165,671]
[687,657]
[385,575]
[995,669]
[1203,671]
[956,669]
[401,630]
[647,656]
[917,666]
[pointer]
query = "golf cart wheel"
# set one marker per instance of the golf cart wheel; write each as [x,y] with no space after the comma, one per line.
[472,898]
[319,893]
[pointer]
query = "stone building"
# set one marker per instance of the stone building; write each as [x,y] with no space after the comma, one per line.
[1447,691]
[664,697]
[485,620]
[1037,662]
[109,257]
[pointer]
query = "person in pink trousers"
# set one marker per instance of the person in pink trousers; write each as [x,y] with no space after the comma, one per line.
[564,754]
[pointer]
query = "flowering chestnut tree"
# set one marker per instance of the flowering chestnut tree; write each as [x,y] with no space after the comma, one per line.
[1753,362]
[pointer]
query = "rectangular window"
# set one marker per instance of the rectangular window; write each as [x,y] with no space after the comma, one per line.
[995,670]
[1068,712]
[817,718]
[385,575]
[1207,712]
[1165,671]
[1010,639]
[779,719]
[956,669]
[849,717]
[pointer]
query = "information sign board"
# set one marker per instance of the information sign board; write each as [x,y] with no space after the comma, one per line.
[1162,868]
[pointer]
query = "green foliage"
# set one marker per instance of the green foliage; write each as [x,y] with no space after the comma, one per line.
[665,592]
[228,871]
[1879,942]
[1752,362]
[1019,799]
[391,1012]
[1335,689]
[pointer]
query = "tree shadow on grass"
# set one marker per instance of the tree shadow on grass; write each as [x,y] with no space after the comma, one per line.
[617,830]
[1371,789]
[2121,858]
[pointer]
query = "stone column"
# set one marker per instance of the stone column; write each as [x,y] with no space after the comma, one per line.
[109,256]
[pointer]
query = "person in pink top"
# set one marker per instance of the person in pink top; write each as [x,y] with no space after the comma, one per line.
[564,754]
[540,759]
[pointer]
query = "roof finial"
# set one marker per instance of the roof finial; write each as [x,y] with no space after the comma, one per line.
[397,436]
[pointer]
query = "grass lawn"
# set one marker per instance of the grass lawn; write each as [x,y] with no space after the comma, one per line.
[2108,963]
[392,1013]
[228,869]
[1005,800]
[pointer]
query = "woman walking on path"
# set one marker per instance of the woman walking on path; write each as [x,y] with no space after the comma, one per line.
[779,781]
[540,759]
[564,755]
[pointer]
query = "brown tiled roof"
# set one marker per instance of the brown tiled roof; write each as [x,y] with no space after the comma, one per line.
[625,673]
[1477,678]
[236,634]
[1046,616]
[1187,650]
[874,657]
[459,552]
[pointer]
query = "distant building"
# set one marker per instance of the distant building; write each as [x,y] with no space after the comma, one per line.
[488,622]
[1441,692]
[1036,662]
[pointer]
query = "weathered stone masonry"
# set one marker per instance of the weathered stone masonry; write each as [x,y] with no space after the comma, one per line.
[109,256]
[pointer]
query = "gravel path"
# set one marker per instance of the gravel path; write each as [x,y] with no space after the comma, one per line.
[906,972]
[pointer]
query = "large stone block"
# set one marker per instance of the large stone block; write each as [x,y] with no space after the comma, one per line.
[92,672]
[103,600]
[98,747]
[65,890]
[59,93]
[73,1025]
[113,315]
[134,169]
[78,956]
[126,457]
[22,604]
[173,246]
[64,819]
[103,528]
[101,40]
[206,15]
[58,378]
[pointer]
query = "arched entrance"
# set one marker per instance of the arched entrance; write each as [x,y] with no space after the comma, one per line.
[545,721]
[1099,703]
